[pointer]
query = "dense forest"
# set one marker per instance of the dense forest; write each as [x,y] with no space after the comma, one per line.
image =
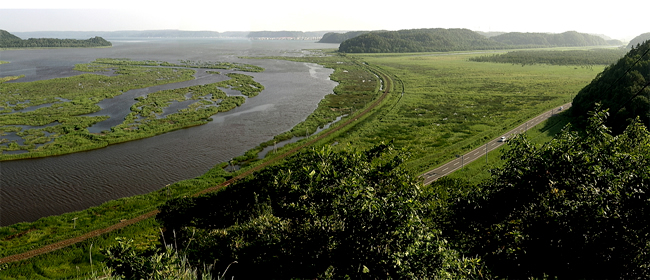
[8,40]
[418,40]
[622,88]
[585,58]
[429,40]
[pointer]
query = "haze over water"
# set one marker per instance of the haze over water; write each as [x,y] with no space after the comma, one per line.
[34,188]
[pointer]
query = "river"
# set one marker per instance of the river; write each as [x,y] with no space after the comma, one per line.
[35,188]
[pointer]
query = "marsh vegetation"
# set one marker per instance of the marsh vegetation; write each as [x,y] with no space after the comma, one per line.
[51,115]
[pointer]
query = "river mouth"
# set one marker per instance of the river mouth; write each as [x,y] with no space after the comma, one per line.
[36,188]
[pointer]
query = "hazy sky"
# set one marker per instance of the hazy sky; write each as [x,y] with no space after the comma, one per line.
[612,18]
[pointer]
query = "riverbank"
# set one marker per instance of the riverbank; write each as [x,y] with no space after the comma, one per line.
[137,205]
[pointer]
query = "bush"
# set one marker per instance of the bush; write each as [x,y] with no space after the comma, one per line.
[319,214]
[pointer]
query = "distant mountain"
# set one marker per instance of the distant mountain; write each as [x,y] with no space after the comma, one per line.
[8,40]
[337,38]
[418,40]
[286,34]
[566,39]
[638,40]
[621,88]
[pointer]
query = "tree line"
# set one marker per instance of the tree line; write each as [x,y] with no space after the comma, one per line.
[8,40]
[571,57]
[566,39]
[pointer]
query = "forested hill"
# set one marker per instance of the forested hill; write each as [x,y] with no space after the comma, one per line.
[429,40]
[638,40]
[337,38]
[418,40]
[8,40]
[622,88]
[566,39]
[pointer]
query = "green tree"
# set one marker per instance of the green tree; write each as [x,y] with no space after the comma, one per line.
[622,88]
[575,207]
[319,214]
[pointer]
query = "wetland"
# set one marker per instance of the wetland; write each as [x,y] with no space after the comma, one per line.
[34,188]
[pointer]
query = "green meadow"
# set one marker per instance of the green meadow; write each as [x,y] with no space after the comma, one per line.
[441,104]
[452,105]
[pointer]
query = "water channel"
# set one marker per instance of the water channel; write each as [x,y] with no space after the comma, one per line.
[34,188]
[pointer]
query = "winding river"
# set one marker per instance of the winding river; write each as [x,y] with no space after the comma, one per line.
[34,188]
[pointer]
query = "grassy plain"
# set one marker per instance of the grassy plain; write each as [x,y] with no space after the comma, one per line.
[479,170]
[449,106]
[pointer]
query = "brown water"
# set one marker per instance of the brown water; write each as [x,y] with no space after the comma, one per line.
[34,188]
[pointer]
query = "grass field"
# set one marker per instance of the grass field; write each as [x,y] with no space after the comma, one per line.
[451,105]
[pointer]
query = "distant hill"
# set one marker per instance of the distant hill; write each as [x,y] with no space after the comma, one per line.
[639,40]
[566,39]
[286,34]
[337,38]
[427,40]
[8,37]
[418,40]
[621,88]
[8,40]
[315,35]
[131,34]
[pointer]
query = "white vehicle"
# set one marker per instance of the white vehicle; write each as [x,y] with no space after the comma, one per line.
[502,139]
